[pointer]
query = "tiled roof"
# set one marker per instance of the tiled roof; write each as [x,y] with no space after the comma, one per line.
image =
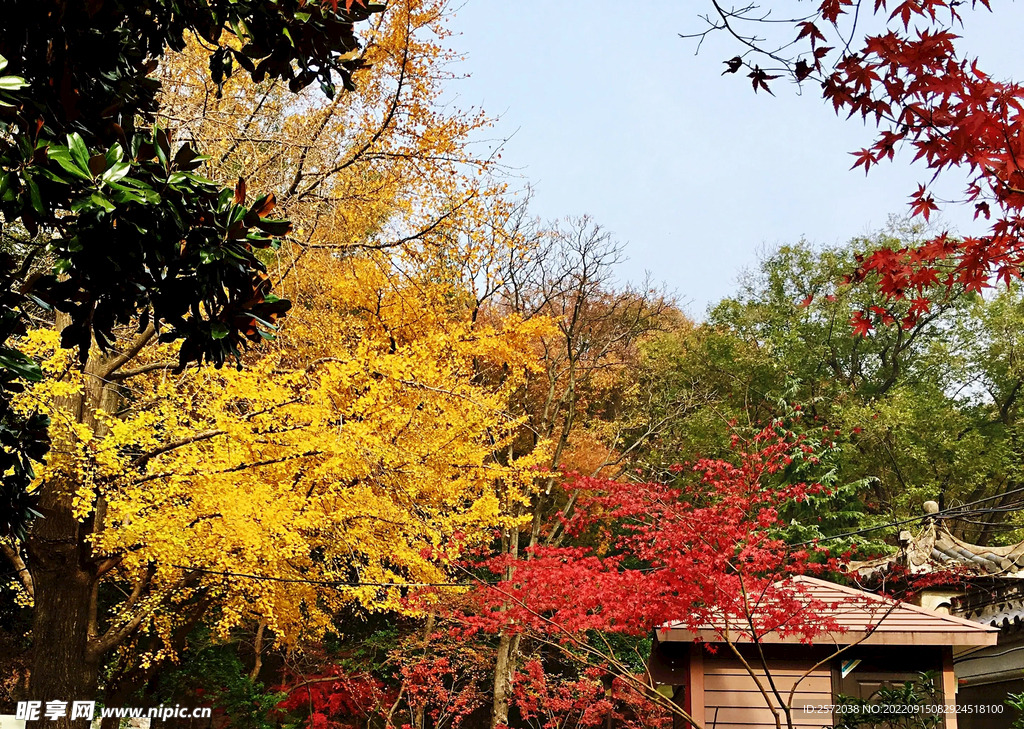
[1012,616]
[935,549]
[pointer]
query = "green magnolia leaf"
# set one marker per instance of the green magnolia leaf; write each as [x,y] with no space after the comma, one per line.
[54,177]
[274,227]
[3,63]
[63,157]
[34,197]
[163,146]
[209,255]
[114,155]
[218,330]
[199,178]
[12,83]
[20,364]
[97,199]
[115,172]
[79,152]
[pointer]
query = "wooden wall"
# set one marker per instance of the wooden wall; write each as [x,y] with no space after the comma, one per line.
[732,699]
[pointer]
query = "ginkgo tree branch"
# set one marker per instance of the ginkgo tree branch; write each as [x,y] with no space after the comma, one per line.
[385,124]
[128,355]
[418,235]
[249,122]
[145,458]
[115,634]
[151,367]
[23,573]
[299,167]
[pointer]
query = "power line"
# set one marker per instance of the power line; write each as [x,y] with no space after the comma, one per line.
[952,513]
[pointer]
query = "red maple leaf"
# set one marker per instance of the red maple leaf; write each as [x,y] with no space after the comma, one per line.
[861,324]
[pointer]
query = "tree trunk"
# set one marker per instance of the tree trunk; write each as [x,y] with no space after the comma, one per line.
[508,649]
[63,571]
[63,668]
[504,667]
[504,662]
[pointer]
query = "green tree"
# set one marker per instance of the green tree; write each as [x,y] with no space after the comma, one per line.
[924,409]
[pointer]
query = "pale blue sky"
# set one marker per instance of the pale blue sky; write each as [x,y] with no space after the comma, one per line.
[614,116]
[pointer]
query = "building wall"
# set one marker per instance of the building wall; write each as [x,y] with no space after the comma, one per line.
[988,695]
[733,700]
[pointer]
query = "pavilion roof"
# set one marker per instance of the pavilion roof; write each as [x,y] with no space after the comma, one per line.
[862,618]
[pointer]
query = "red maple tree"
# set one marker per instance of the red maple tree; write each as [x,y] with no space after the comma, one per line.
[705,553]
[696,553]
[335,698]
[923,93]
[546,700]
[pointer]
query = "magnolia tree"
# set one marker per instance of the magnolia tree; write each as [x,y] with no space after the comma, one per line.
[908,75]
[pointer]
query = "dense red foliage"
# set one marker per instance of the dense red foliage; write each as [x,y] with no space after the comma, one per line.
[335,699]
[445,692]
[545,701]
[706,554]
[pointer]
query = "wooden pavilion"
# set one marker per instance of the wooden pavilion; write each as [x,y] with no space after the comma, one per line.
[884,643]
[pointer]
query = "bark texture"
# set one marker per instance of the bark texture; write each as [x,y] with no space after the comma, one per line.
[66,650]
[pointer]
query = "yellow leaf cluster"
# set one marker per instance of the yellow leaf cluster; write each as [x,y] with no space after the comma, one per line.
[349,459]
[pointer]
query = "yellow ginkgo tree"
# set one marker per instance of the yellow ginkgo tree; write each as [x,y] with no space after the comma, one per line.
[350,460]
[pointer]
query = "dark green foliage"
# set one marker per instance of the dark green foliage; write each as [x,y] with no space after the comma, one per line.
[23,438]
[904,706]
[1016,702]
[213,674]
[918,410]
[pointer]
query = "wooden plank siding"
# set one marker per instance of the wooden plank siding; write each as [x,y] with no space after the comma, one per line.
[732,699]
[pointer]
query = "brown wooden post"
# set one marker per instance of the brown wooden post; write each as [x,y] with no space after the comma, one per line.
[949,686]
[696,682]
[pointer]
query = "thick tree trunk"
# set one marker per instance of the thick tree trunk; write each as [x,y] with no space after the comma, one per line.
[63,571]
[63,669]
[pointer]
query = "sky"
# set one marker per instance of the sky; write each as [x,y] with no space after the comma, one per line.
[609,112]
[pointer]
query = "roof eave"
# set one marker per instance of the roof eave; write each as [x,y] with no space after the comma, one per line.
[985,637]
